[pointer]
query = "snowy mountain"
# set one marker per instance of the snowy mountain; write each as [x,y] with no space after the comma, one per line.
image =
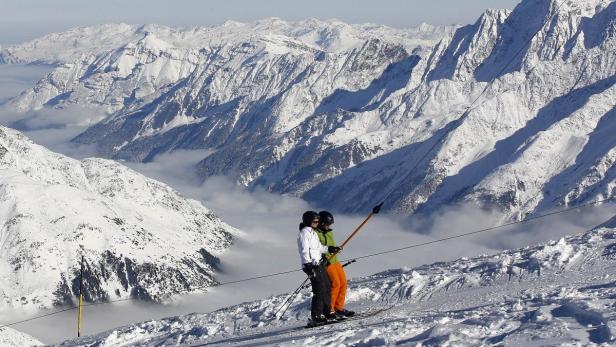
[139,238]
[319,108]
[557,293]
[226,74]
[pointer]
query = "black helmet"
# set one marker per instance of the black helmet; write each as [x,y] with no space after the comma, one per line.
[308,217]
[326,218]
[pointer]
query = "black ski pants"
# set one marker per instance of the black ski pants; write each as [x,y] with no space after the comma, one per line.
[321,299]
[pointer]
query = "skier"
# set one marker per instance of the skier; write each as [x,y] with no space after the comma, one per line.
[334,269]
[311,252]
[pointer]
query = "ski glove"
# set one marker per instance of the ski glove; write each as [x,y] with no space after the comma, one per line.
[308,269]
[334,249]
[325,261]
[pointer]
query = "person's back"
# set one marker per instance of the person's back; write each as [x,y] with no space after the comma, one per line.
[309,246]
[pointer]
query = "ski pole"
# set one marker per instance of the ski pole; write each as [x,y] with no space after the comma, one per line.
[349,262]
[289,300]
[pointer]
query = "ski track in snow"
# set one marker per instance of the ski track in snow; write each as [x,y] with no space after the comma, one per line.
[558,293]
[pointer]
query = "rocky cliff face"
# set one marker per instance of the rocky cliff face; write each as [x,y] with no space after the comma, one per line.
[138,237]
[341,115]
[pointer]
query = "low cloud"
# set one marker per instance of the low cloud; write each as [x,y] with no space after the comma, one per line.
[176,169]
[270,226]
[49,127]
[54,128]
[549,228]
[15,78]
[69,116]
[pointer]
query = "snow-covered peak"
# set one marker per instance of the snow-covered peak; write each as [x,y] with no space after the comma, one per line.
[491,17]
[148,59]
[139,237]
[469,47]
[154,43]
[67,46]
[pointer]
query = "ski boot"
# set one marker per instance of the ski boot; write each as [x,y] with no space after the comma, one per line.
[345,313]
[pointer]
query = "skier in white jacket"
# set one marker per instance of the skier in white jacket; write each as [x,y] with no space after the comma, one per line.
[311,253]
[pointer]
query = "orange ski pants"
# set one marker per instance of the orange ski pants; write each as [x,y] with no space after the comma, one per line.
[339,285]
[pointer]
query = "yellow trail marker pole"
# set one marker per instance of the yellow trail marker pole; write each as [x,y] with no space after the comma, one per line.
[80,311]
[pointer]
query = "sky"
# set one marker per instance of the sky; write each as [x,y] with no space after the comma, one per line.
[22,20]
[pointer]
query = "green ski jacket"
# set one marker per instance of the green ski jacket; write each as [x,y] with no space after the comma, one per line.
[327,239]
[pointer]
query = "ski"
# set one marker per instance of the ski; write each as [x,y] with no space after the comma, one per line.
[357,316]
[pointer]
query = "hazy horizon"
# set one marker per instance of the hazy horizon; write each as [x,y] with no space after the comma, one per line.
[28,19]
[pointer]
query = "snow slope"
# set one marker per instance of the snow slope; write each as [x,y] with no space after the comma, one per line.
[139,238]
[558,293]
[13,338]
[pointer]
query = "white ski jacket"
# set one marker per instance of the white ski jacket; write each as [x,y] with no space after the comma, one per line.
[310,248]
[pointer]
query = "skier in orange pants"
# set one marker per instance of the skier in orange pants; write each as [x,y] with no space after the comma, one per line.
[335,271]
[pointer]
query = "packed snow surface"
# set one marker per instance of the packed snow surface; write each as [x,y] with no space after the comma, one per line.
[13,338]
[557,293]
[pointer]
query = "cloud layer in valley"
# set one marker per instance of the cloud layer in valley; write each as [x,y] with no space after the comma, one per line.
[16,78]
